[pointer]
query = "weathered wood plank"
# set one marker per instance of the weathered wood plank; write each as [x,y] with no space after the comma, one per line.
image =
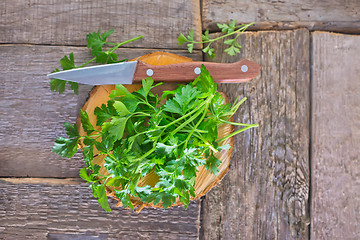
[265,193]
[67,22]
[68,211]
[327,15]
[32,116]
[335,171]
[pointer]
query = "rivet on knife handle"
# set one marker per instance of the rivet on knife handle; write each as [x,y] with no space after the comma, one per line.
[241,71]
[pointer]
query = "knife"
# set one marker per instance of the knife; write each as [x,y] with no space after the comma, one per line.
[133,72]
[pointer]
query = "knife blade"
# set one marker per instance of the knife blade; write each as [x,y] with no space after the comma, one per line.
[133,72]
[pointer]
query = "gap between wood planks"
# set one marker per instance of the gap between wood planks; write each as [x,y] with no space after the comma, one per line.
[196,50]
[43,180]
[275,26]
[311,75]
[215,29]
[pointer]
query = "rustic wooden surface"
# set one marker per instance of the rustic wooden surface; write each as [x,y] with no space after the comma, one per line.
[265,193]
[53,210]
[335,151]
[34,36]
[32,116]
[329,15]
[67,22]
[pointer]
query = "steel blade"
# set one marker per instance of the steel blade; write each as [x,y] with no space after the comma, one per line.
[99,75]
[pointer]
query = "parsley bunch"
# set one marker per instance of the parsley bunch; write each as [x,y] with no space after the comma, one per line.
[139,135]
[95,42]
[227,29]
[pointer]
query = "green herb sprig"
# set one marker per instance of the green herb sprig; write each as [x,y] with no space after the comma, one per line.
[227,29]
[139,135]
[95,42]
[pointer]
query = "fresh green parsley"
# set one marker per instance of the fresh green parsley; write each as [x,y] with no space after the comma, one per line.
[95,42]
[227,30]
[139,135]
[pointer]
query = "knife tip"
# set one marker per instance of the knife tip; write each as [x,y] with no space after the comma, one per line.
[50,75]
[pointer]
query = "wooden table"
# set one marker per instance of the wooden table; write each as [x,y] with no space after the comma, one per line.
[296,176]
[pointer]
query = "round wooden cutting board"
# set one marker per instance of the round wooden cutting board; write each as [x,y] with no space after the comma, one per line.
[204,180]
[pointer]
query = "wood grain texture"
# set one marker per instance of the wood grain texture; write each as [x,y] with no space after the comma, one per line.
[329,15]
[67,22]
[68,211]
[335,172]
[32,116]
[265,193]
[185,72]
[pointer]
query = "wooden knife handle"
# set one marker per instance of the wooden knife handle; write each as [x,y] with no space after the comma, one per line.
[241,71]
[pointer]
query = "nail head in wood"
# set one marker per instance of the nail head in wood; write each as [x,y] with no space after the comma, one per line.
[197,70]
[149,72]
[244,68]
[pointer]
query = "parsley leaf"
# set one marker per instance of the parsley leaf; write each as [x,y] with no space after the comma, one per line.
[124,197]
[67,147]
[106,57]
[209,51]
[68,63]
[88,154]
[84,175]
[96,41]
[184,101]
[204,82]
[121,109]
[182,39]
[87,126]
[58,85]
[100,193]
[75,87]
[71,130]
[163,149]
[120,90]
[227,28]
[232,50]
[115,128]
[104,112]
[212,163]
[143,191]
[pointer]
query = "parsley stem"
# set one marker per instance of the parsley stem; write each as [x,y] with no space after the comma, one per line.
[146,154]
[92,135]
[235,106]
[242,29]
[196,111]
[125,42]
[198,123]
[195,130]
[148,104]
[140,133]
[207,142]
[87,63]
[141,114]
[192,118]
[239,131]
[235,123]
[186,115]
